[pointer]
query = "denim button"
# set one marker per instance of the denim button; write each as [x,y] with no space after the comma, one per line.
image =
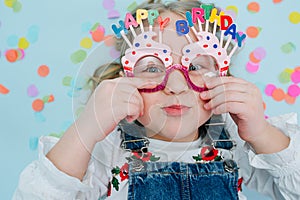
[229,165]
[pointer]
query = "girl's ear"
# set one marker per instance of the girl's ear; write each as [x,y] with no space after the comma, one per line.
[121,73]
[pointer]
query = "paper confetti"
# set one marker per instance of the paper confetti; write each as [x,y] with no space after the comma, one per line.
[253,7]
[86,43]
[270,89]
[33,34]
[294,17]
[278,94]
[132,6]
[252,67]
[12,41]
[23,43]
[33,143]
[38,105]
[294,90]
[32,91]
[295,76]
[78,56]
[288,48]
[43,71]
[3,89]
[108,4]
[253,31]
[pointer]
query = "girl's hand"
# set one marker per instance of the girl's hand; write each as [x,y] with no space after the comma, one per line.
[242,100]
[112,101]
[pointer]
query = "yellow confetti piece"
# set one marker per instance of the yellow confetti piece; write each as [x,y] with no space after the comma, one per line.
[86,43]
[294,17]
[9,3]
[23,43]
[233,8]
[289,70]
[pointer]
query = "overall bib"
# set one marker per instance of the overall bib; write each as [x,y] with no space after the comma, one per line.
[217,180]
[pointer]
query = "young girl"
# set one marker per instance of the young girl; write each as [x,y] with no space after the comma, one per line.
[172,126]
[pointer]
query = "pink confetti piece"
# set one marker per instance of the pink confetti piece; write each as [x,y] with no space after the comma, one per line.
[114,53]
[269,89]
[260,53]
[113,14]
[108,4]
[295,77]
[252,67]
[294,90]
[32,91]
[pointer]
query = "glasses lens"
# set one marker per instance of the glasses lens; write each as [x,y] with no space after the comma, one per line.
[202,67]
[150,68]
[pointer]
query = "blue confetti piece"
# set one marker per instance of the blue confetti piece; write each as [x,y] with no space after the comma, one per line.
[86,27]
[33,34]
[39,117]
[33,143]
[12,41]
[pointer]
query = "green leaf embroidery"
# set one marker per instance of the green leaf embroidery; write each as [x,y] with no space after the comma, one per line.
[115,183]
[197,158]
[115,170]
[218,158]
[154,158]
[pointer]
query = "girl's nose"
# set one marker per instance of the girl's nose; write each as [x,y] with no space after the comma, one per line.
[176,83]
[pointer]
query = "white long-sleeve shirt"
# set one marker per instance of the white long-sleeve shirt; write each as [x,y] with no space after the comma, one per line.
[277,175]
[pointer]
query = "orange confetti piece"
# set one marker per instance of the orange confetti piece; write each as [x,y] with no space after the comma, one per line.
[3,89]
[277,1]
[289,99]
[297,68]
[278,94]
[43,70]
[109,40]
[253,7]
[51,98]
[11,55]
[38,105]
[264,105]
[252,31]
[253,58]
[97,35]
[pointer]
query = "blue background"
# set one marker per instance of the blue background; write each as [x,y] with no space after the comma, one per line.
[62,25]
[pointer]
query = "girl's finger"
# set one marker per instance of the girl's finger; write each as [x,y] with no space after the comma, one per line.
[228,87]
[229,107]
[229,96]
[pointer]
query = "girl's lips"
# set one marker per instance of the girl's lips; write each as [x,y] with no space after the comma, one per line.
[176,110]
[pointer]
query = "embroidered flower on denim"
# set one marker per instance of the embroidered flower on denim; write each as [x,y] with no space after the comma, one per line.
[207,154]
[240,182]
[123,172]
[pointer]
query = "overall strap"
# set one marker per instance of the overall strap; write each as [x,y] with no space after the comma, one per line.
[133,137]
[217,136]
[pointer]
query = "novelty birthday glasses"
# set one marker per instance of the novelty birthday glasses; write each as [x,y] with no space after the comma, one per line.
[208,56]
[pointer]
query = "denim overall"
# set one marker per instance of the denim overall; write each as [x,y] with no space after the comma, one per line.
[217,180]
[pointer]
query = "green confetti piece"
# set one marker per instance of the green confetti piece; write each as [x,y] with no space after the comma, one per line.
[17,6]
[284,77]
[58,135]
[78,56]
[67,81]
[132,6]
[79,111]
[95,26]
[46,98]
[288,47]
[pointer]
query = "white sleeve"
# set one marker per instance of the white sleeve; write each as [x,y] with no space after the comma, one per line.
[278,174]
[42,180]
